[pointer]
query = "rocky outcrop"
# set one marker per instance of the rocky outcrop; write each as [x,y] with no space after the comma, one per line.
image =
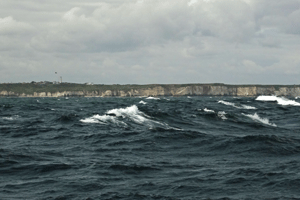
[172,90]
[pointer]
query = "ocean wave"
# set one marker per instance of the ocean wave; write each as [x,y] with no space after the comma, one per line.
[280,100]
[257,118]
[132,113]
[209,111]
[239,107]
[154,98]
[11,118]
[221,114]
[103,119]
[142,102]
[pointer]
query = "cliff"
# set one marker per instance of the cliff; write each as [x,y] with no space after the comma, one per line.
[82,90]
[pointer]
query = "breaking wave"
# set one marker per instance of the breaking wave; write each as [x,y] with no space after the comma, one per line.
[257,118]
[222,114]
[239,107]
[132,113]
[280,100]
[154,98]
[142,102]
[207,110]
[11,118]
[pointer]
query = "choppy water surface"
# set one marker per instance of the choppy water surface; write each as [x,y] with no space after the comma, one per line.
[150,148]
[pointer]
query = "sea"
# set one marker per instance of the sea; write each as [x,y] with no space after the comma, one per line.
[162,148]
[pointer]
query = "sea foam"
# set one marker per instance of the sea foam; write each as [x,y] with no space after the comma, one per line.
[239,107]
[280,100]
[209,111]
[222,114]
[11,118]
[142,102]
[257,118]
[154,98]
[132,113]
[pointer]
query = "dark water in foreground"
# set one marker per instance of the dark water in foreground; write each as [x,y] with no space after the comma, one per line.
[138,148]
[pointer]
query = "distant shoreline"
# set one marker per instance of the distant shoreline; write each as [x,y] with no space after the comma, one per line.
[50,89]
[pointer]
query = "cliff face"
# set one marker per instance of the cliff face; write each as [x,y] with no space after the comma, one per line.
[172,90]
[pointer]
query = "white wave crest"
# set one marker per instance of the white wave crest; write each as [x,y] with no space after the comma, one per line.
[103,119]
[280,100]
[11,118]
[133,113]
[154,98]
[239,107]
[222,114]
[257,118]
[209,111]
[142,102]
[91,120]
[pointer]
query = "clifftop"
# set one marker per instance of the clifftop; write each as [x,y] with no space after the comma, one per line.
[48,89]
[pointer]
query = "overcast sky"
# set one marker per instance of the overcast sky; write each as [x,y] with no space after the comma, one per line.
[151,41]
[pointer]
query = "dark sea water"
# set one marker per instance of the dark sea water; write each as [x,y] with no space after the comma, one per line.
[146,148]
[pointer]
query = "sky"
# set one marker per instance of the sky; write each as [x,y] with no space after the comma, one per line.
[150,41]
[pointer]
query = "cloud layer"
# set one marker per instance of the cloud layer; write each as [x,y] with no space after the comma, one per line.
[146,41]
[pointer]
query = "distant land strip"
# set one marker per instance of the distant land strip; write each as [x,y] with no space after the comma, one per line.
[55,89]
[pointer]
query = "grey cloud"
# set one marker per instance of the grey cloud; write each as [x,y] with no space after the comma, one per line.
[9,26]
[134,25]
[151,41]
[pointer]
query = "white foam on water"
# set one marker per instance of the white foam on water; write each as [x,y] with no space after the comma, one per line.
[266,98]
[142,102]
[257,118]
[226,103]
[248,107]
[8,118]
[11,118]
[209,111]
[189,97]
[132,113]
[108,118]
[239,107]
[222,114]
[91,120]
[154,98]
[103,119]
[280,100]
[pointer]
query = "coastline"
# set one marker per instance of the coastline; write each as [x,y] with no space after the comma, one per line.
[48,89]
[43,89]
